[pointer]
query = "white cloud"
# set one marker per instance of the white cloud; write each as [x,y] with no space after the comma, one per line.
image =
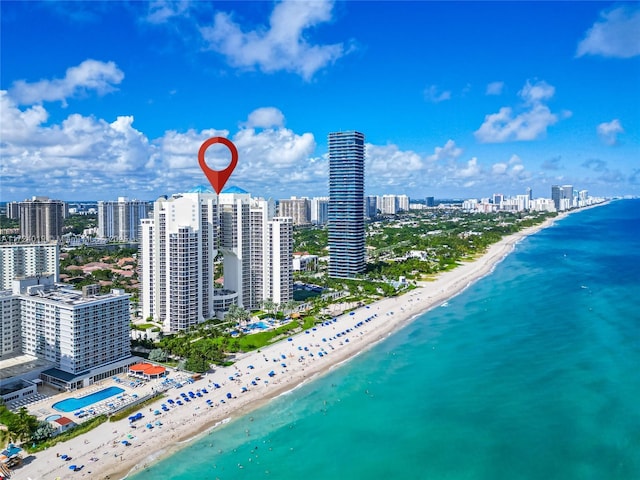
[161,11]
[499,168]
[177,152]
[84,155]
[471,169]
[18,125]
[536,93]
[608,131]
[89,75]
[615,35]
[270,152]
[512,168]
[387,165]
[530,124]
[80,154]
[283,46]
[448,152]
[434,95]
[494,88]
[504,126]
[265,117]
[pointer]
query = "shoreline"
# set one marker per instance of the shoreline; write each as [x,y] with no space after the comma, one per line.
[294,362]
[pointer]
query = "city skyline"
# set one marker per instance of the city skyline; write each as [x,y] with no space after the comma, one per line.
[458,99]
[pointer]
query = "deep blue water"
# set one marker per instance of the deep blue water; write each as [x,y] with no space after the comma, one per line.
[531,373]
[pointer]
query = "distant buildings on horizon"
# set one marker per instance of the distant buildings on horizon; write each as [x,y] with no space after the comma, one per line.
[562,198]
[41,219]
[120,220]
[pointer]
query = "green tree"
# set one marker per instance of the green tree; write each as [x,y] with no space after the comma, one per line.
[196,363]
[158,355]
[43,431]
[289,306]
[23,425]
[269,306]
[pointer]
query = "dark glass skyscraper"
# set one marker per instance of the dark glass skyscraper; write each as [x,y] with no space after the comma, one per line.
[346,204]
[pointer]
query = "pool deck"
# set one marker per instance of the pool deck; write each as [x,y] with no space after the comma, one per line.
[42,406]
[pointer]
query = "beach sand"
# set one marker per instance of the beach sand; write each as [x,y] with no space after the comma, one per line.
[305,356]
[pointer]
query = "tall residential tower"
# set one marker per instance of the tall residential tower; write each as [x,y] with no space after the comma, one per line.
[121,220]
[346,204]
[41,218]
[188,231]
[177,249]
[28,260]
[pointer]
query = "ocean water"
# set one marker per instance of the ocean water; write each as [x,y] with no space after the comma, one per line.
[531,373]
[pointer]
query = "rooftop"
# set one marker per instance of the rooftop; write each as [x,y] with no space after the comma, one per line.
[19,364]
[234,189]
[200,189]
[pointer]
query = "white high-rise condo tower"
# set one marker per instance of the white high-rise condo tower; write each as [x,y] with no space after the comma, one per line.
[181,242]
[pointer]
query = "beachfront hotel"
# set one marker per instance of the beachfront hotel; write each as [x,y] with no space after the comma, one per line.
[67,338]
[180,243]
[120,220]
[27,260]
[346,204]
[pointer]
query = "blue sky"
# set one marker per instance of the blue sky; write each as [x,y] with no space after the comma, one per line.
[456,99]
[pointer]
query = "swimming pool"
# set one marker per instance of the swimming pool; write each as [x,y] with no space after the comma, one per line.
[260,325]
[72,404]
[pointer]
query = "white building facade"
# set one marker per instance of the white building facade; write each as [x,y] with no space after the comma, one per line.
[319,210]
[120,220]
[188,231]
[75,332]
[177,250]
[299,209]
[26,260]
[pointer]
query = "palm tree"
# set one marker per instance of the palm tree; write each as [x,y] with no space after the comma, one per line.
[233,313]
[269,306]
[290,306]
[242,315]
[24,424]
[5,436]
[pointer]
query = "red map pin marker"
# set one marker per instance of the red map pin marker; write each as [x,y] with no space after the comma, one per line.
[217,178]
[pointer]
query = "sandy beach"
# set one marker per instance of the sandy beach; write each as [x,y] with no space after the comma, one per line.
[253,380]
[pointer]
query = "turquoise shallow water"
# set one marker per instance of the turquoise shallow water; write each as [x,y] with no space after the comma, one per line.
[531,373]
